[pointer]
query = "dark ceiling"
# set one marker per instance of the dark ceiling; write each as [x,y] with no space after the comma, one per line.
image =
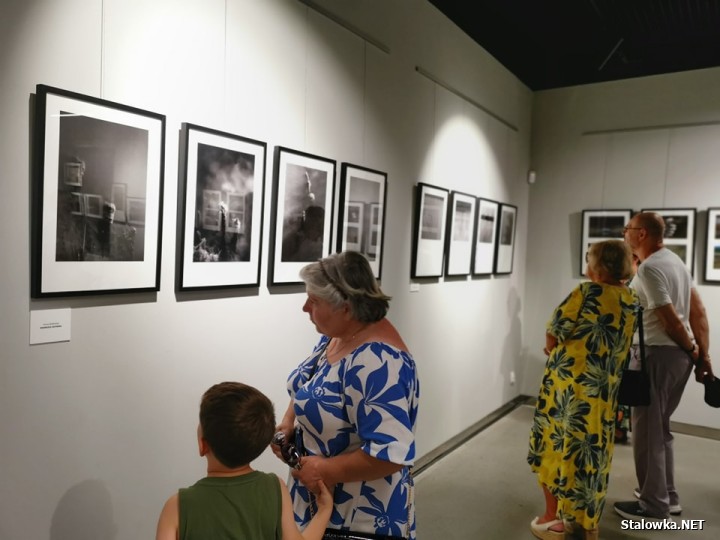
[555,43]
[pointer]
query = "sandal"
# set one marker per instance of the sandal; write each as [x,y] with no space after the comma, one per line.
[543,530]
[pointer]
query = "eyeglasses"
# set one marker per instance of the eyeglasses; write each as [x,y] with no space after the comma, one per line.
[289,451]
[626,229]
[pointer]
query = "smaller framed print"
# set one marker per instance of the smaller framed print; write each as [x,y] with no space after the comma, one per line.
[505,243]
[431,208]
[599,225]
[97,196]
[301,227]
[712,253]
[679,232]
[221,203]
[353,226]
[461,226]
[361,213]
[485,236]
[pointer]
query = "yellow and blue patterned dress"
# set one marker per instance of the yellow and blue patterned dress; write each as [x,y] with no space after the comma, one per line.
[572,438]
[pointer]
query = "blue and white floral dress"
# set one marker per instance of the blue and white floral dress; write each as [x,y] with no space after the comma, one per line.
[367,400]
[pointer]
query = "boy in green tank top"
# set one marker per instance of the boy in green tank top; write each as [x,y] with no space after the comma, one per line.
[235,502]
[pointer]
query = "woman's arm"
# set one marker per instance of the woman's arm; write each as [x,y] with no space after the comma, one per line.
[352,467]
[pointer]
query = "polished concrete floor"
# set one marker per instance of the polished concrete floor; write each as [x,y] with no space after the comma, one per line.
[484,489]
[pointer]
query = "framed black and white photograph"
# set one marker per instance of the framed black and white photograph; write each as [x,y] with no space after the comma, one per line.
[460,234]
[505,243]
[431,209]
[485,236]
[712,251]
[599,225]
[679,232]
[220,222]
[361,213]
[84,149]
[301,232]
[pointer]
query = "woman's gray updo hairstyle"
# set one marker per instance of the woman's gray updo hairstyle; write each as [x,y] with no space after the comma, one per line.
[347,277]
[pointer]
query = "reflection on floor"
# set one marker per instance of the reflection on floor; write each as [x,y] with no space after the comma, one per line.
[484,489]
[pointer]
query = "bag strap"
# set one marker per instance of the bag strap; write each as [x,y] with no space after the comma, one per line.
[642,340]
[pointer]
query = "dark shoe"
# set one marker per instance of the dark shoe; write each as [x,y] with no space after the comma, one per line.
[675,509]
[633,510]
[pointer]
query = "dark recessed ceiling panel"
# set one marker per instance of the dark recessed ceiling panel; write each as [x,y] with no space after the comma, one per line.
[555,43]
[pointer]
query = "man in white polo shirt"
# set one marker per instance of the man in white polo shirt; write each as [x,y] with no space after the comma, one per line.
[672,307]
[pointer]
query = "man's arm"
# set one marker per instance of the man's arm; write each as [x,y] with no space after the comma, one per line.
[701,331]
[674,328]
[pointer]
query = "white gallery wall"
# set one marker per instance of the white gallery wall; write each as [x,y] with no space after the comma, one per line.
[97,432]
[652,142]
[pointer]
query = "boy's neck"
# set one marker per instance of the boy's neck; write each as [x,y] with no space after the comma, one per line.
[217,469]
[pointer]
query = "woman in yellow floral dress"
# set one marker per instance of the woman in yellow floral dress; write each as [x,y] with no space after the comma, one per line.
[572,438]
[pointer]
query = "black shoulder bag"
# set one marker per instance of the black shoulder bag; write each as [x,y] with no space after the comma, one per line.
[635,385]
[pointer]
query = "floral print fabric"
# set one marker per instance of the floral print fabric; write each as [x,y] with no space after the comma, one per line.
[367,400]
[573,433]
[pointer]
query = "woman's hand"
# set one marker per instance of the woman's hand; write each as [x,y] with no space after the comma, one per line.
[550,343]
[310,473]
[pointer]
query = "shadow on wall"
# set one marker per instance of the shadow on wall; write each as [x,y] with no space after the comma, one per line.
[512,350]
[84,513]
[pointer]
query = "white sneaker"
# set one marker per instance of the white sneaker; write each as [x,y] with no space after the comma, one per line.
[674,509]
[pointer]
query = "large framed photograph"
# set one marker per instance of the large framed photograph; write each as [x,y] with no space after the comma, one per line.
[505,243]
[95,161]
[599,225]
[301,232]
[712,251]
[485,236]
[221,202]
[361,213]
[679,232]
[461,226]
[431,208]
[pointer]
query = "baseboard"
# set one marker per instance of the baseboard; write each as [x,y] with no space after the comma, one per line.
[422,463]
[697,431]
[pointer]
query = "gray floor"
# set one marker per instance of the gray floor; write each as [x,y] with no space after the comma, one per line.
[485,489]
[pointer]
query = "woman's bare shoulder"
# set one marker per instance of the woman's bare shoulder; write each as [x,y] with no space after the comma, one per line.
[383,331]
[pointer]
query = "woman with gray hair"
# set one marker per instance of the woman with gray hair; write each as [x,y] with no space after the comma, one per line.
[355,400]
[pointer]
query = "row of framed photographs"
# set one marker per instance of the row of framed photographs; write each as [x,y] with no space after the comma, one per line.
[97,203]
[680,234]
[459,234]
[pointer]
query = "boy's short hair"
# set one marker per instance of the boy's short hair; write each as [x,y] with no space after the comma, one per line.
[237,421]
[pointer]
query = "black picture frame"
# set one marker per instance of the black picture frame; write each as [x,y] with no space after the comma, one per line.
[220,208]
[680,231]
[84,147]
[599,225]
[712,247]
[302,212]
[361,213]
[429,231]
[487,217]
[460,234]
[505,243]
